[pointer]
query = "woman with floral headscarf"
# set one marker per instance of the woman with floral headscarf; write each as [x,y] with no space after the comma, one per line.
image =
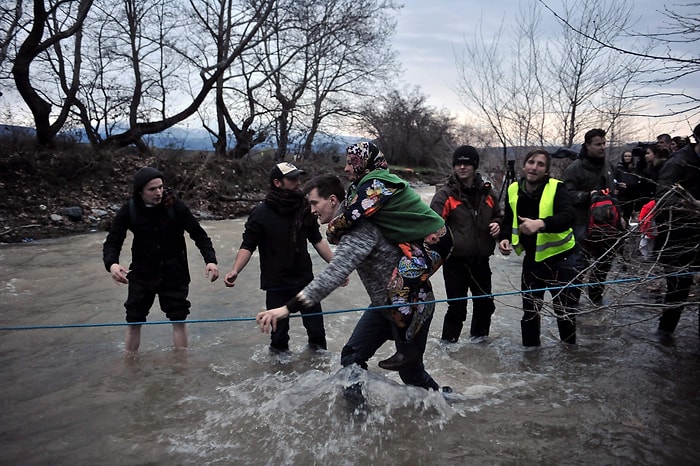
[389,202]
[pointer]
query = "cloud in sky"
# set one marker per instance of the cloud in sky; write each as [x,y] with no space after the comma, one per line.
[428,35]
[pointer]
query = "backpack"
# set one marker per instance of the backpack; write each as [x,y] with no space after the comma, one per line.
[647,225]
[603,216]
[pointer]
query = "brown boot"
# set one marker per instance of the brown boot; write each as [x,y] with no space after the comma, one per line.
[397,362]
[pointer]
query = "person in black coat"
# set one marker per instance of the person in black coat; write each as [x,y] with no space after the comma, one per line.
[158,255]
[627,184]
[678,221]
[591,173]
[279,228]
[539,220]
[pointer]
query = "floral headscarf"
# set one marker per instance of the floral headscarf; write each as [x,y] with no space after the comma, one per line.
[365,157]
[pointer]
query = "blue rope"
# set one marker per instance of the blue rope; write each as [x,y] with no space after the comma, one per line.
[340,311]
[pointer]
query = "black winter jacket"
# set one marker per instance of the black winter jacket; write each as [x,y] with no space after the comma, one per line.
[281,265]
[158,249]
[581,177]
[677,216]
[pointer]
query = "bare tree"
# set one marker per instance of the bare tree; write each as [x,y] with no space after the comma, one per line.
[322,54]
[251,18]
[508,95]
[583,70]
[408,131]
[669,54]
[10,23]
[60,13]
[347,61]
[548,90]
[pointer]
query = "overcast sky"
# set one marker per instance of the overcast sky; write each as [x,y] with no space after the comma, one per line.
[428,33]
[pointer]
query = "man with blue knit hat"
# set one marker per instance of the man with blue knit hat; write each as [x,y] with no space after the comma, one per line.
[470,208]
[159,265]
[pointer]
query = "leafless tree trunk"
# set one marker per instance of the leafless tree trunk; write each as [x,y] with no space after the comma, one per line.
[9,24]
[566,85]
[138,129]
[31,48]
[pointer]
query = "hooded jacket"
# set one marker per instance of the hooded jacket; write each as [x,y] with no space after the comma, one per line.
[158,249]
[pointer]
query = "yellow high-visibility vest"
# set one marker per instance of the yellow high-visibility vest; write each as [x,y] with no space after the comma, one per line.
[547,244]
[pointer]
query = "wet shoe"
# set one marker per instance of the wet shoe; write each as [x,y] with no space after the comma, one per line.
[279,350]
[397,362]
[354,398]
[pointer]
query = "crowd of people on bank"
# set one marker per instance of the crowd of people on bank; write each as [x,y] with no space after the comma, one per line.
[567,229]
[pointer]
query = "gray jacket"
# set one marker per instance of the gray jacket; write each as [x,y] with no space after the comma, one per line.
[364,249]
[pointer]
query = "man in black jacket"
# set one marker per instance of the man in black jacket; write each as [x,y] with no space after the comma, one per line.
[280,226]
[590,173]
[678,219]
[158,256]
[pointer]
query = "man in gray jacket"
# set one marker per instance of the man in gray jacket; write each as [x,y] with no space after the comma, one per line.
[364,249]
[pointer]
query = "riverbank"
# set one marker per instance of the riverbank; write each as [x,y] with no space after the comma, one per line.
[49,194]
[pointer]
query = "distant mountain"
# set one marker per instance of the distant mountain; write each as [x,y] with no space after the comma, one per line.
[15,133]
[193,139]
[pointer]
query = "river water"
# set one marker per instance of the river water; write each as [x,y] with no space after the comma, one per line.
[70,397]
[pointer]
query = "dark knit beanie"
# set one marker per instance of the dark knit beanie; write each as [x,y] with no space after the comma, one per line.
[143,176]
[466,155]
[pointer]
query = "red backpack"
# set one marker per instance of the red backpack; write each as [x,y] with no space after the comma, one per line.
[603,216]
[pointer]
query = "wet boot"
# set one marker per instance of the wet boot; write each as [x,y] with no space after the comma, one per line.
[567,330]
[531,332]
[398,361]
[451,331]
[481,323]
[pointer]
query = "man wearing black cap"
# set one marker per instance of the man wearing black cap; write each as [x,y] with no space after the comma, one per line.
[158,256]
[280,227]
[470,209]
[678,213]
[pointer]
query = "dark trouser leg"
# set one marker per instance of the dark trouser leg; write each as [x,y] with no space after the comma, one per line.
[565,272]
[599,271]
[279,338]
[483,306]
[583,258]
[677,291]
[567,329]
[314,326]
[370,333]
[530,327]
[456,286]
[173,300]
[416,374]
[532,303]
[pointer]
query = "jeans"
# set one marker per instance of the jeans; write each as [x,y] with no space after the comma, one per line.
[373,330]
